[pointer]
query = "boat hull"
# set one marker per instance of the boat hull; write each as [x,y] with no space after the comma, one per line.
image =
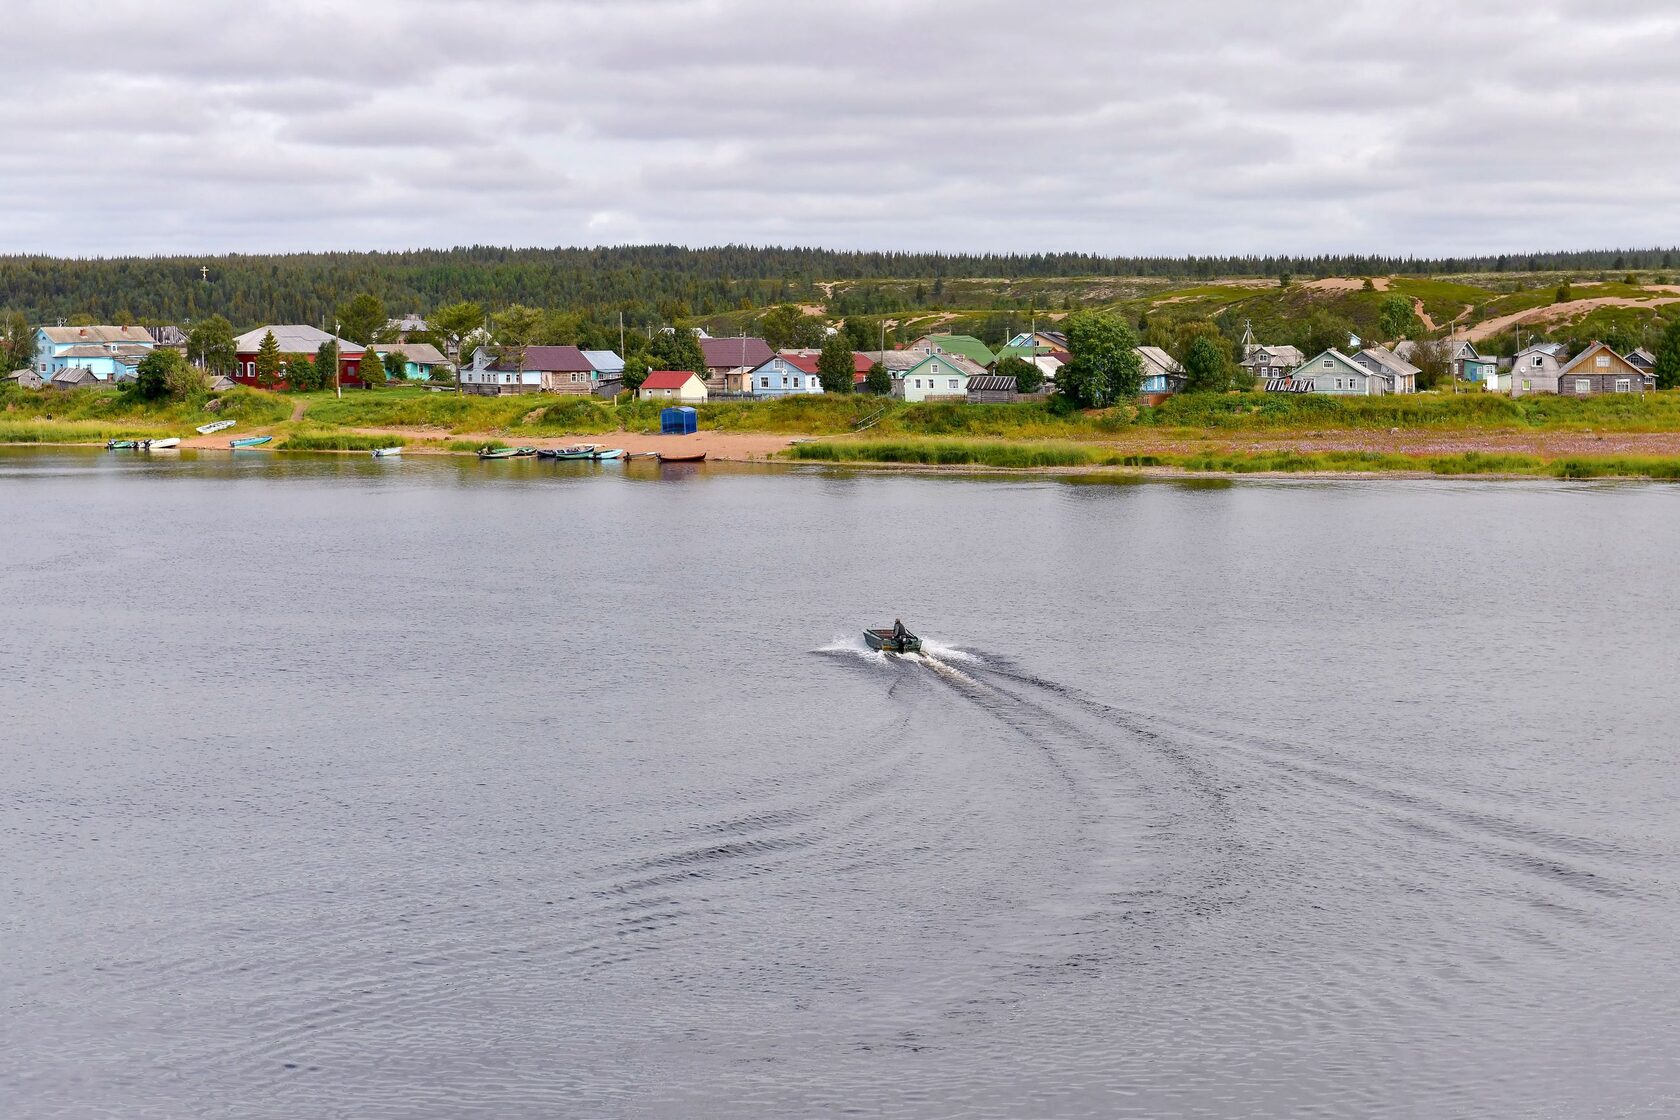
[698,457]
[214,426]
[386,452]
[884,641]
[249,441]
[161,444]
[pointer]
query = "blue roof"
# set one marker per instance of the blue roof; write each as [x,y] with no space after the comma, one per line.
[604,361]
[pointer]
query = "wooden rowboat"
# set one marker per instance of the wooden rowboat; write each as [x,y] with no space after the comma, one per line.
[883,639]
[214,426]
[249,441]
[386,452]
[497,452]
[694,457]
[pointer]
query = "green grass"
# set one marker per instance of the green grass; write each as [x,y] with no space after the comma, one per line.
[338,441]
[248,406]
[937,452]
[1285,412]
[76,431]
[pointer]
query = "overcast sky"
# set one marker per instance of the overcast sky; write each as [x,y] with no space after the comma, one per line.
[1185,126]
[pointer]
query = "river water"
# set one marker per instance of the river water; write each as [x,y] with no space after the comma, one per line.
[342,788]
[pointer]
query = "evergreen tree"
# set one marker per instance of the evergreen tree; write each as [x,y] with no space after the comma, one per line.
[677,348]
[326,365]
[17,342]
[1206,367]
[835,368]
[1668,358]
[268,360]
[363,315]
[879,381]
[370,369]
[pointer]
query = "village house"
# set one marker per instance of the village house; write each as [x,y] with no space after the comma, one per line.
[74,377]
[398,329]
[1599,369]
[1468,364]
[1267,363]
[964,344]
[1642,360]
[1048,361]
[936,377]
[1162,374]
[108,353]
[25,379]
[995,388]
[1334,373]
[529,369]
[1535,369]
[1043,341]
[1392,373]
[295,340]
[788,373]
[731,361]
[673,385]
[421,360]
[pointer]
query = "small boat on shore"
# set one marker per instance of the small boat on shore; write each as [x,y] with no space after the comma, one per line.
[121,444]
[608,453]
[582,451]
[497,452]
[893,639]
[386,452]
[524,452]
[249,441]
[693,457]
[159,444]
[214,426]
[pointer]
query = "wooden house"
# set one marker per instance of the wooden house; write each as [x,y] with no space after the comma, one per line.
[936,377]
[1535,369]
[1599,369]
[730,362]
[1162,375]
[790,373]
[1393,374]
[678,386]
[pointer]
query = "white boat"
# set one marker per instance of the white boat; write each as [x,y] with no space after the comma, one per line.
[386,452]
[160,444]
[214,426]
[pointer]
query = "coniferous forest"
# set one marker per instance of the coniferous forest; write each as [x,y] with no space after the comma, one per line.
[646,282]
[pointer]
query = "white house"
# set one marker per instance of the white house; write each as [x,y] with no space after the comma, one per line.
[936,377]
[1331,372]
[1535,369]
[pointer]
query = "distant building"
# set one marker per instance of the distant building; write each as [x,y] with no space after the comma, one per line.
[1391,373]
[74,377]
[1642,359]
[404,325]
[529,369]
[108,353]
[1599,369]
[1162,374]
[1333,373]
[25,379]
[789,373]
[996,388]
[730,361]
[421,360]
[936,377]
[965,344]
[295,340]
[673,385]
[1535,369]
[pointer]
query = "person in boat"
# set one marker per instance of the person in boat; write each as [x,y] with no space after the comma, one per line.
[899,632]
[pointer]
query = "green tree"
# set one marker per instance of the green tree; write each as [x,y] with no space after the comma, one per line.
[1433,361]
[863,332]
[879,381]
[1668,357]
[1028,377]
[370,369]
[268,360]
[635,372]
[17,342]
[298,372]
[1563,294]
[513,327]
[1322,330]
[210,344]
[835,368]
[789,326]
[325,370]
[677,348]
[453,322]
[1105,368]
[396,365]
[361,317]
[151,376]
[1396,317]
[1207,367]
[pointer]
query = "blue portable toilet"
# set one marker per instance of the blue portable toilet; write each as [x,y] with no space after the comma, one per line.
[679,421]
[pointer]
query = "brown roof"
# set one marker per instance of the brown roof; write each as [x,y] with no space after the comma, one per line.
[545,359]
[727,353]
[74,335]
[420,353]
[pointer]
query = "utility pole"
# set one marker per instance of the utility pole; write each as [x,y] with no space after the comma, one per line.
[338,363]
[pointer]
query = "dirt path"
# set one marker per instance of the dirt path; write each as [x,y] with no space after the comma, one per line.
[1487,328]
[299,409]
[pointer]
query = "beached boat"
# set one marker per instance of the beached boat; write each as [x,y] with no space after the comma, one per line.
[893,639]
[694,457]
[121,444]
[497,452]
[524,452]
[249,441]
[585,451]
[386,452]
[214,426]
[609,453]
[160,444]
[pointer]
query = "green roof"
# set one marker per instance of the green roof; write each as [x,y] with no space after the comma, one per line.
[966,345]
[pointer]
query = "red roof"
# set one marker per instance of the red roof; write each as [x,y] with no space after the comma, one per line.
[667,379]
[806,362]
[727,353]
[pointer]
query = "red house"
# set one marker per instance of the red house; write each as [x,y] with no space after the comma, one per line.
[296,341]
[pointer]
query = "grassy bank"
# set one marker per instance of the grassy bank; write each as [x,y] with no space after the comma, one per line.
[936,452]
[338,441]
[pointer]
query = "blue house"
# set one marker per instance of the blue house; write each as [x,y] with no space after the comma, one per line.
[109,353]
[421,360]
[786,375]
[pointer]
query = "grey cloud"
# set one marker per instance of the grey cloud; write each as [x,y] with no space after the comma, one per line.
[1155,126]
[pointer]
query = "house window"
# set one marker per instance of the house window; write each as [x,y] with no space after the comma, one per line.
[764,383]
[1603,361]
[953,383]
[1537,360]
[1624,385]
[1527,384]
[1330,363]
[580,377]
[1583,385]
[918,383]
